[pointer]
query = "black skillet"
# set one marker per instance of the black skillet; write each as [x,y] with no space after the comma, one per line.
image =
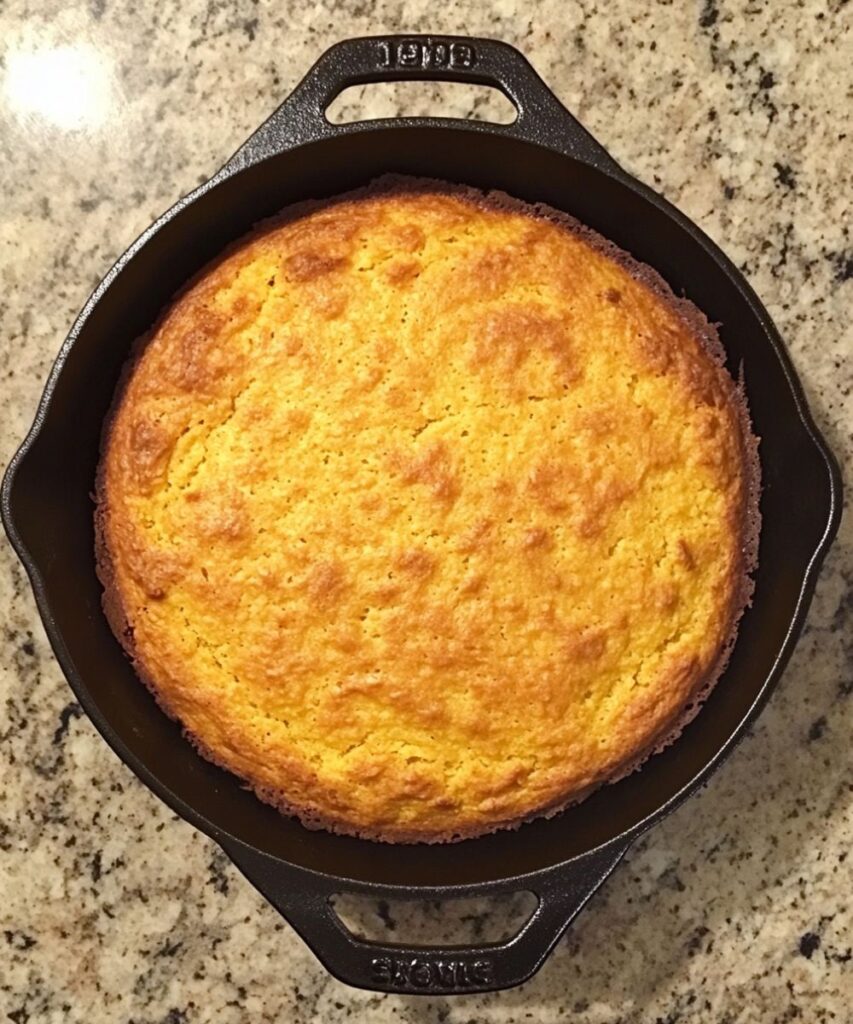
[545,155]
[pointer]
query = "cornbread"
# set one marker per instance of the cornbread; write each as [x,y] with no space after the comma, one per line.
[426,511]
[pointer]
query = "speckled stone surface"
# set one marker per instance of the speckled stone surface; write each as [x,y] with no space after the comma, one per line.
[735,910]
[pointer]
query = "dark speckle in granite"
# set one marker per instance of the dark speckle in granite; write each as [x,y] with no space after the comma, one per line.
[817,728]
[384,913]
[19,940]
[112,908]
[218,875]
[843,264]
[176,1016]
[709,14]
[784,175]
[71,710]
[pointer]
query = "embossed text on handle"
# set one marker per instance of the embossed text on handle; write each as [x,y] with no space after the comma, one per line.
[427,973]
[427,54]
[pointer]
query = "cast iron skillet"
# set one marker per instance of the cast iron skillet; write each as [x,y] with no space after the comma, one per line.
[545,155]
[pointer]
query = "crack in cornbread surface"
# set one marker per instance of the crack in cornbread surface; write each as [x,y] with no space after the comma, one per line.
[426,512]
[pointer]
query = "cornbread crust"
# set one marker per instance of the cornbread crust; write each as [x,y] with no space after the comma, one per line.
[181,369]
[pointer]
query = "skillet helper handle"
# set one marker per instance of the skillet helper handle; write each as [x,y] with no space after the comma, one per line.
[304,900]
[542,119]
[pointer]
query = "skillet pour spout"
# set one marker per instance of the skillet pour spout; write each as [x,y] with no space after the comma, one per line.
[543,156]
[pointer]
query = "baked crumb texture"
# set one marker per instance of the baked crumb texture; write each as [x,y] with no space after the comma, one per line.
[425,511]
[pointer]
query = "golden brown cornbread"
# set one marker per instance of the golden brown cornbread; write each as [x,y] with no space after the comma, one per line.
[425,511]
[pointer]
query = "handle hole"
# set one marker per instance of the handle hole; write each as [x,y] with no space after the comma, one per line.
[421,99]
[455,922]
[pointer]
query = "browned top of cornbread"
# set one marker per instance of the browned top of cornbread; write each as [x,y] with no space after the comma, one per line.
[426,511]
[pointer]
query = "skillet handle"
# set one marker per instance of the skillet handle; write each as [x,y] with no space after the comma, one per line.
[303,899]
[542,119]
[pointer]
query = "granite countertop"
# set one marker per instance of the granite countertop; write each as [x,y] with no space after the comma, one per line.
[738,907]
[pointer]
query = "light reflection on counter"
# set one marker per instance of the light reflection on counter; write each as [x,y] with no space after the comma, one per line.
[70,87]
